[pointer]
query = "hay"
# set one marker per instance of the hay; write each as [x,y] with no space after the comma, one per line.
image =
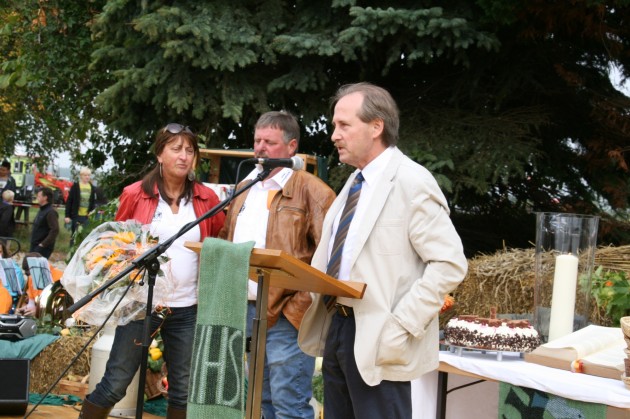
[506,280]
[54,359]
[613,258]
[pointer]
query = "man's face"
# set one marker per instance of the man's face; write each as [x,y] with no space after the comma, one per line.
[41,198]
[4,172]
[269,143]
[357,142]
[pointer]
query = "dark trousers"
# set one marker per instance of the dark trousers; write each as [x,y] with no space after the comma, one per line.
[44,251]
[346,395]
[78,220]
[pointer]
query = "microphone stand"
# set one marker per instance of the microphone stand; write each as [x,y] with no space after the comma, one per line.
[149,261]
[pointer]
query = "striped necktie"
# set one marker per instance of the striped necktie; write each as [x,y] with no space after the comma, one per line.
[334,263]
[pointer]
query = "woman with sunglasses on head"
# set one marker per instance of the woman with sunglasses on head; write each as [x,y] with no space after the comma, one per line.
[167,198]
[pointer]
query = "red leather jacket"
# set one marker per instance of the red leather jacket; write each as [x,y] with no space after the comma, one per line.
[294,226]
[137,205]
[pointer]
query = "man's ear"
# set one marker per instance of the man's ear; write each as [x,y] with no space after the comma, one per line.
[293,145]
[377,128]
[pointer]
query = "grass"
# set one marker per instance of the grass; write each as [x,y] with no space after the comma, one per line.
[62,245]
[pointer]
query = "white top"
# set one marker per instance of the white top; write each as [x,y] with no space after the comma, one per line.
[372,174]
[179,288]
[251,221]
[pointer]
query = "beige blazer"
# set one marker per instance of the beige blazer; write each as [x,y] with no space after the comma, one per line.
[410,256]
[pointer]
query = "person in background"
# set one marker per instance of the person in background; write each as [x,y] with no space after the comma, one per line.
[283,212]
[389,228]
[166,199]
[15,287]
[45,225]
[6,302]
[33,290]
[81,201]
[7,219]
[7,182]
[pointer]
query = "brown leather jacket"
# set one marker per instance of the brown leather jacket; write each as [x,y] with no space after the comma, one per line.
[294,226]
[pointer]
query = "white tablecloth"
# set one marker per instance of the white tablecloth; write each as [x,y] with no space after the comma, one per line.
[514,370]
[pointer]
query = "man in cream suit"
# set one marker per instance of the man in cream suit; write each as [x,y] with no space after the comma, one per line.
[402,244]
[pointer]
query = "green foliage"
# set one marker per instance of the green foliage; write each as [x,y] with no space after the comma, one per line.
[509,104]
[318,388]
[610,289]
[433,164]
[46,92]
[46,324]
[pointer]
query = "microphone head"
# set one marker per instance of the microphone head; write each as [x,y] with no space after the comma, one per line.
[298,163]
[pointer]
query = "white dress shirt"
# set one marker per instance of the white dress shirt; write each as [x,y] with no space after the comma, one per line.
[372,174]
[251,222]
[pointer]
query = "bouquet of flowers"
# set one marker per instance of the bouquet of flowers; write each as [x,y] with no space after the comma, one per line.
[106,252]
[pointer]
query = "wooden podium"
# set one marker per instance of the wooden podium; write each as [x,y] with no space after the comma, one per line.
[279,269]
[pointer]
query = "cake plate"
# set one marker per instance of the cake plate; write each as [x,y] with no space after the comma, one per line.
[459,350]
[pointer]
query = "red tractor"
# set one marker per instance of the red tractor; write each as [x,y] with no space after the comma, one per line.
[60,187]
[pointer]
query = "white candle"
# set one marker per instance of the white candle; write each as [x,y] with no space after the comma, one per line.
[563,297]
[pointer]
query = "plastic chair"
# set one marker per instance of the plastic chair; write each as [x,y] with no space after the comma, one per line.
[40,272]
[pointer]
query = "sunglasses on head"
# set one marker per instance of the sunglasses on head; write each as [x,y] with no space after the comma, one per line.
[174,128]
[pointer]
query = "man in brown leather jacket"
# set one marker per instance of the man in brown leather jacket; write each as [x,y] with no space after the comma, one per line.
[284,212]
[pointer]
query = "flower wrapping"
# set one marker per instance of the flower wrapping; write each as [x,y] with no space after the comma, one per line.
[107,251]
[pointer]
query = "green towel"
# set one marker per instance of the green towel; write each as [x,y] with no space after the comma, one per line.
[54,399]
[217,378]
[26,348]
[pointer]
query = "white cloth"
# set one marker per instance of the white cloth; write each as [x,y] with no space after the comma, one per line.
[182,268]
[424,396]
[514,370]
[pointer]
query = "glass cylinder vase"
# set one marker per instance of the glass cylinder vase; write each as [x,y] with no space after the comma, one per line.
[565,252]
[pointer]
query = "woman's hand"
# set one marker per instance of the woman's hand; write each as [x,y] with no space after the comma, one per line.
[28,310]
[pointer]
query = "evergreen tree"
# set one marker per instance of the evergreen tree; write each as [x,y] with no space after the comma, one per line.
[509,104]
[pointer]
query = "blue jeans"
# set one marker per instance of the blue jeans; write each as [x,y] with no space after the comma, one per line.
[287,379]
[177,333]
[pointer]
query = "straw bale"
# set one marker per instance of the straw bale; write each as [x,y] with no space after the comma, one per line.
[614,258]
[53,360]
[506,280]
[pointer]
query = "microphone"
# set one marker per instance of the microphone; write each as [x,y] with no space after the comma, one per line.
[295,162]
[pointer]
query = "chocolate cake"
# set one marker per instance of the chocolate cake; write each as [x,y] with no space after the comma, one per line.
[491,334]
